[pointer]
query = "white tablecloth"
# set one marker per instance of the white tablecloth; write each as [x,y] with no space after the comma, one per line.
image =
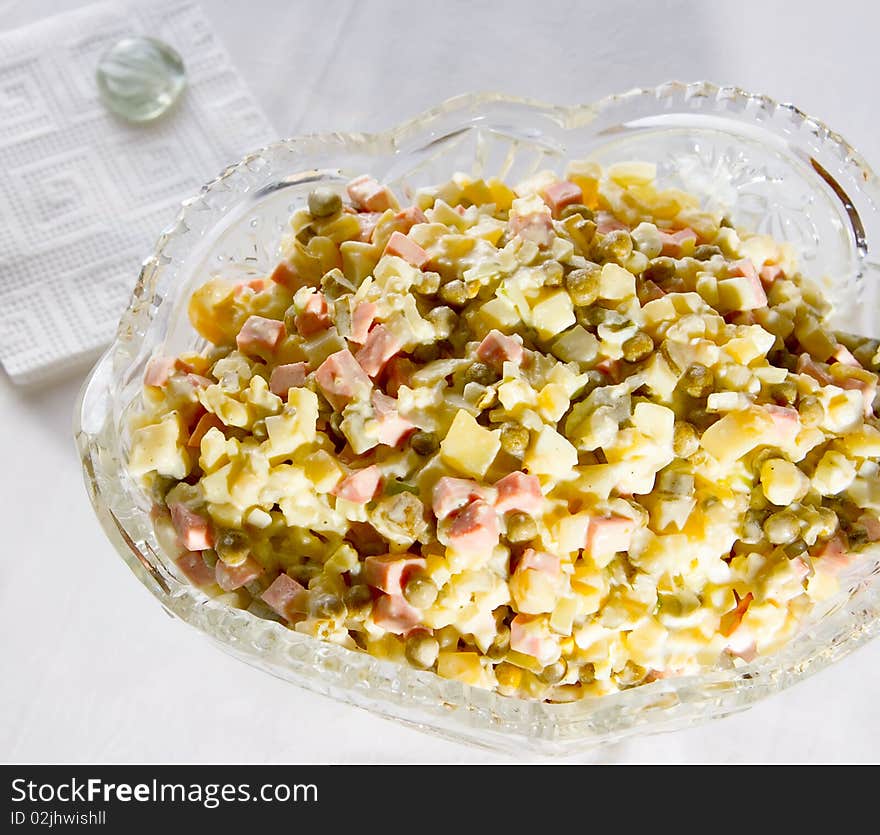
[92,670]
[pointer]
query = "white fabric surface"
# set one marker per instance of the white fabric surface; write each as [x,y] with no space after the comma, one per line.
[84,194]
[91,668]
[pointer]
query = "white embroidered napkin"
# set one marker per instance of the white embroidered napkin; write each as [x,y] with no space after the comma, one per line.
[84,195]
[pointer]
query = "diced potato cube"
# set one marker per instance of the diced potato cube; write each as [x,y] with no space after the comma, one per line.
[563,616]
[533,592]
[863,443]
[551,455]
[160,447]
[570,531]
[633,173]
[343,559]
[468,447]
[498,313]
[737,433]
[654,420]
[576,345]
[616,283]
[295,426]
[553,402]
[782,482]
[322,470]
[739,293]
[553,314]
[834,473]
[462,666]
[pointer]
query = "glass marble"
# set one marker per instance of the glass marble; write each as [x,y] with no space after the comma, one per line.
[140,79]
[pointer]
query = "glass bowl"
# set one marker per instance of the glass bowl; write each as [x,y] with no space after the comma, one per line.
[769,166]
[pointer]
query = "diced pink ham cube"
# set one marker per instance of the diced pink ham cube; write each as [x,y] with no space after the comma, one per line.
[474,529]
[360,486]
[367,222]
[195,569]
[496,349]
[361,320]
[394,614]
[286,276]
[609,534]
[230,578]
[393,427]
[518,491]
[193,529]
[390,572]
[341,378]
[807,365]
[871,524]
[834,554]
[450,494]
[260,335]
[606,222]
[769,273]
[746,268]
[401,246]
[675,244]
[380,346]
[369,195]
[843,355]
[610,368]
[410,216]
[289,376]
[285,596]
[561,194]
[540,561]
[530,642]
[314,317]
[536,227]
[786,422]
[159,370]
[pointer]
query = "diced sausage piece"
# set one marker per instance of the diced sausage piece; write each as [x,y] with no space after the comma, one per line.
[195,569]
[610,368]
[834,554]
[536,227]
[314,317]
[786,422]
[369,195]
[871,524]
[540,561]
[206,421]
[606,222]
[341,378]
[807,365]
[518,491]
[410,216]
[496,349]
[256,284]
[450,494]
[399,373]
[730,622]
[390,572]
[394,614]
[842,355]
[230,578]
[290,376]
[192,528]
[562,194]
[360,486]
[380,346]
[648,291]
[197,381]
[525,638]
[285,596]
[675,244]
[260,335]
[746,268]
[769,273]
[392,426]
[474,529]
[398,244]
[159,370]
[609,534]
[285,275]
[361,320]
[367,222]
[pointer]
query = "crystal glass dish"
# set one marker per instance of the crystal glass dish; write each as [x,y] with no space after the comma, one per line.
[769,166]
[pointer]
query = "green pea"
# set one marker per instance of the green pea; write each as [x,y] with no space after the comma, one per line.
[326,606]
[782,528]
[420,591]
[424,443]
[514,439]
[659,270]
[577,209]
[811,410]
[617,245]
[233,547]
[706,251]
[698,380]
[501,645]
[583,285]
[685,439]
[521,527]
[454,293]
[421,650]
[554,673]
[480,373]
[323,202]
[444,320]
[426,352]
[358,600]
[637,347]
